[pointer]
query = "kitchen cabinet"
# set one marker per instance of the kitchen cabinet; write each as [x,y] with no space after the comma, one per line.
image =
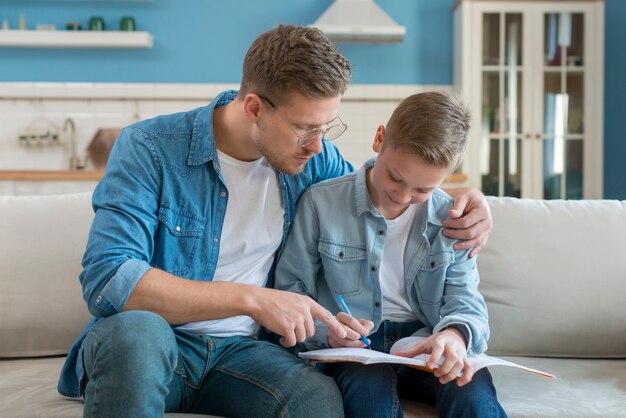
[532,74]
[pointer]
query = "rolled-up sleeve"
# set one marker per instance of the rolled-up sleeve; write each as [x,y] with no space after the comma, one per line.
[121,240]
[463,306]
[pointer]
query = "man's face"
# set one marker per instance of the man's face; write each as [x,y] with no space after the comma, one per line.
[399,179]
[279,129]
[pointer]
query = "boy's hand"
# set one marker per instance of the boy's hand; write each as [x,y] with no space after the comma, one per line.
[451,344]
[470,220]
[353,327]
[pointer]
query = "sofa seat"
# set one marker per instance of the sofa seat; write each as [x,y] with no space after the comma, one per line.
[584,388]
[23,380]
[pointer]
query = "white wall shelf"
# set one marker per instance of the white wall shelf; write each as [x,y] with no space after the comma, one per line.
[74,39]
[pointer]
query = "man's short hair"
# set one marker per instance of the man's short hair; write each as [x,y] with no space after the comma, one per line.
[432,125]
[290,59]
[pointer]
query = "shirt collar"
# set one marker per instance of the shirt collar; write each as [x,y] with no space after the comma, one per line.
[363,203]
[202,147]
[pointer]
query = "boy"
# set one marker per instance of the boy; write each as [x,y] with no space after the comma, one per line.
[375,238]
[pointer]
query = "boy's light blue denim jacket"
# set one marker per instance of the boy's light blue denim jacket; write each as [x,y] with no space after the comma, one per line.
[161,203]
[335,247]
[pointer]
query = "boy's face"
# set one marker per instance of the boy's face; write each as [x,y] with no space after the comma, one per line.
[399,179]
[279,128]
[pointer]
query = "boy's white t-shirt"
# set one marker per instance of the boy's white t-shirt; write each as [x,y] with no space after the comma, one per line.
[392,281]
[252,232]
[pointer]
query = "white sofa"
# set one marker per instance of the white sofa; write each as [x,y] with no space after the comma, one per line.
[552,274]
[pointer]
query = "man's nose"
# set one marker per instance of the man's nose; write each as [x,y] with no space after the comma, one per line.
[315,146]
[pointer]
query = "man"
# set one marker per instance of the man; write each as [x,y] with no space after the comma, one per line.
[189,220]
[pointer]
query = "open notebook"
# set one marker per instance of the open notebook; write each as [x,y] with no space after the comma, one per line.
[366,356]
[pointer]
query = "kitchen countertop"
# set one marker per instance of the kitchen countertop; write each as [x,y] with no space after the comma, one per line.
[53,175]
[50,175]
[456,178]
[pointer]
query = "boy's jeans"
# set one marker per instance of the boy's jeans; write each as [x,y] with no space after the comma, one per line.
[373,390]
[137,365]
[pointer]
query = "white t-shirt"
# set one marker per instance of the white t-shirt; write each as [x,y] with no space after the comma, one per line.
[392,281]
[252,232]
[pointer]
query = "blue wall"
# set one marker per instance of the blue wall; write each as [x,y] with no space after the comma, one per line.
[614,95]
[204,41]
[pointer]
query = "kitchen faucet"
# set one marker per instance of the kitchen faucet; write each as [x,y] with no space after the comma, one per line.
[75,163]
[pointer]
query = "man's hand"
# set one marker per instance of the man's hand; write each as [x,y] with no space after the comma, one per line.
[290,315]
[470,220]
[354,329]
[450,344]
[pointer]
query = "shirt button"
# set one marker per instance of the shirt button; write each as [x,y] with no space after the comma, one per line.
[222,194]
[377,304]
[215,239]
[177,229]
[373,268]
[340,254]
[381,232]
[99,299]
[432,264]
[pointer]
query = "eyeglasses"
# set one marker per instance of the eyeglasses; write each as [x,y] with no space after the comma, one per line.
[330,132]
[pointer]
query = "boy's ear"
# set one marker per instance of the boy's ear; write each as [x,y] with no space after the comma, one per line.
[251,106]
[379,138]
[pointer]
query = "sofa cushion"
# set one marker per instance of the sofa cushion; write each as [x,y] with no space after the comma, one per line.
[585,388]
[554,278]
[42,240]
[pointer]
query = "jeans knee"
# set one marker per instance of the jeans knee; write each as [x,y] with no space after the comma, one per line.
[477,398]
[320,397]
[136,337]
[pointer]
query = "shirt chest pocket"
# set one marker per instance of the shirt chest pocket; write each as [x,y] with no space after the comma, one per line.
[431,277]
[180,234]
[342,265]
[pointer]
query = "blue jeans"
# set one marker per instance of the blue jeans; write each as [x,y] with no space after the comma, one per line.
[137,365]
[373,390]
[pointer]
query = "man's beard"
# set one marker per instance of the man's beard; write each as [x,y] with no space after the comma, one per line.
[279,163]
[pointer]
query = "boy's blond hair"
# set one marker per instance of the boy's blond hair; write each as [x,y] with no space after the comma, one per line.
[432,125]
[290,59]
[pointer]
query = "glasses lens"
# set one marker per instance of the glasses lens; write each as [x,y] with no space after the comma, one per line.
[309,136]
[331,133]
[335,131]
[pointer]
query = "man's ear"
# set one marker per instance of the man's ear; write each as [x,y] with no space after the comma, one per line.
[379,138]
[252,106]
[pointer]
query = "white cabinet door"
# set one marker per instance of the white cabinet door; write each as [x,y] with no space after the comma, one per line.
[532,74]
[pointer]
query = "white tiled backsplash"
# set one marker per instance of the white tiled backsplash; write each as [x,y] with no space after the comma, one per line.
[110,105]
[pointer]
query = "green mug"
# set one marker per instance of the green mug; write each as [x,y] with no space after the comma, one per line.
[127,23]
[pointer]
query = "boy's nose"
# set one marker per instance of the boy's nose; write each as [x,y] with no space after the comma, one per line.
[403,196]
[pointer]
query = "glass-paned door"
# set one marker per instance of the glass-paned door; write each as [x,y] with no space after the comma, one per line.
[501,159]
[563,125]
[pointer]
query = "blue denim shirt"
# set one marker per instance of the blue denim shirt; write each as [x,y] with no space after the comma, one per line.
[162,204]
[335,247]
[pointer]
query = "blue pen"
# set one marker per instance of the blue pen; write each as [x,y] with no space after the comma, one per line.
[345,308]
